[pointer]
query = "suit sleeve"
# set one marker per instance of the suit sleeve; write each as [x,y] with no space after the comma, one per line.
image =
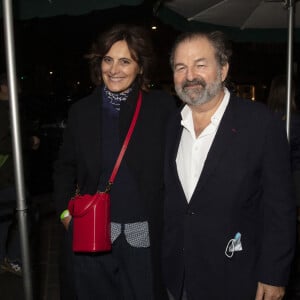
[65,166]
[279,211]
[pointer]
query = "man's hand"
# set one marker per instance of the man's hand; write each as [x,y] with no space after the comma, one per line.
[269,292]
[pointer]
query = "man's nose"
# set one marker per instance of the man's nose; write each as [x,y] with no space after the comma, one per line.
[190,74]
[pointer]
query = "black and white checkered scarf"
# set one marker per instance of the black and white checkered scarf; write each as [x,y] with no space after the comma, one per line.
[115,99]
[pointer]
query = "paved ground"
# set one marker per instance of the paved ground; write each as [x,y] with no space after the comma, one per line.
[45,243]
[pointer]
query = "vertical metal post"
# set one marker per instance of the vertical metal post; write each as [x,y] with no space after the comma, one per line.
[290,7]
[17,149]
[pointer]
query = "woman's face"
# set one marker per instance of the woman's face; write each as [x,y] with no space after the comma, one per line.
[118,68]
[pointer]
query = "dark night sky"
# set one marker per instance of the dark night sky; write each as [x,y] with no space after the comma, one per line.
[59,44]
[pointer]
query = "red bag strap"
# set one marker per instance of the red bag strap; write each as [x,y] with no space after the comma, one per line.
[125,144]
[82,210]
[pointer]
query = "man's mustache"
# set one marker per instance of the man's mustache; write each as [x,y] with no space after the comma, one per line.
[193,82]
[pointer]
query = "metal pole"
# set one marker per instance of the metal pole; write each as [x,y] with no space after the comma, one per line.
[17,152]
[291,5]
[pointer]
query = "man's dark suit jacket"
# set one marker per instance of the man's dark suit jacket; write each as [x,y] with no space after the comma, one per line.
[245,187]
[80,157]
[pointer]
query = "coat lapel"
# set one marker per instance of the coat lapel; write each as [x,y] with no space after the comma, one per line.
[223,139]
[93,135]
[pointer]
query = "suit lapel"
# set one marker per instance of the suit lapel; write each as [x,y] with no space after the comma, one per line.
[223,139]
[176,140]
[175,137]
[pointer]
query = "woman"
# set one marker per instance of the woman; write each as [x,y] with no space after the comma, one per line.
[121,61]
[277,103]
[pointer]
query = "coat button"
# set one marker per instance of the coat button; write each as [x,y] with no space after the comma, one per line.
[190,212]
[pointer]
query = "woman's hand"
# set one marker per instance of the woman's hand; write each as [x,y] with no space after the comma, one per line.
[66,221]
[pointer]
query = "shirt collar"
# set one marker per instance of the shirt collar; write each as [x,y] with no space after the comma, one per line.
[217,116]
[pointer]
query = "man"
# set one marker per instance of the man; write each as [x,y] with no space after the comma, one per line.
[229,207]
[10,252]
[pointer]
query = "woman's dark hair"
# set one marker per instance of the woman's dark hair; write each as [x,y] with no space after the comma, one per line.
[219,41]
[140,47]
[278,95]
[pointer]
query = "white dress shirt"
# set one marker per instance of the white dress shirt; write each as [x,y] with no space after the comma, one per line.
[192,151]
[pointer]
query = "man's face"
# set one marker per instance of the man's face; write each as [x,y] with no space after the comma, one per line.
[197,76]
[4,88]
[3,92]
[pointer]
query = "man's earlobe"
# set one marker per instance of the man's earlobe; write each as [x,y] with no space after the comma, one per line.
[225,70]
